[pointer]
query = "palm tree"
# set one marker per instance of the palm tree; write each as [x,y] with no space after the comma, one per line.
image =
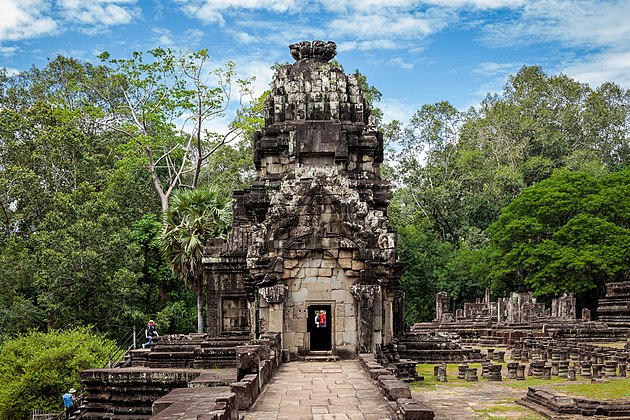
[192,217]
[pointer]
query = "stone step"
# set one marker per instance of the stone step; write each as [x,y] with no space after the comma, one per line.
[321,358]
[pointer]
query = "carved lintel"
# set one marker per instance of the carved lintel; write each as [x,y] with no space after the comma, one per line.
[274,294]
[366,292]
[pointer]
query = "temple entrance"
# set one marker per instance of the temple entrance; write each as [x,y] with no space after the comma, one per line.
[320,327]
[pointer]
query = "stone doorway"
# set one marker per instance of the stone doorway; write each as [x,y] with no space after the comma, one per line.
[320,327]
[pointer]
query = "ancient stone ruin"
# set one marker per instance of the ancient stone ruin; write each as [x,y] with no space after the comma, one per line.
[309,270]
[311,254]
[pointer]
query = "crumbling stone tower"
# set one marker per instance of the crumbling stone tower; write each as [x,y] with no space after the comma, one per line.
[311,254]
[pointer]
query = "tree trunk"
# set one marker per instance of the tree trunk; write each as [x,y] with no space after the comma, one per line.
[200,306]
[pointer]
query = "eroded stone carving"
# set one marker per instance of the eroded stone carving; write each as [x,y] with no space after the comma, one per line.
[317,49]
[274,294]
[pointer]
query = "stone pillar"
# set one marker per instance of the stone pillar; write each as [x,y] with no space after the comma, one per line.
[537,368]
[366,296]
[498,356]
[520,372]
[212,307]
[586,315]
[525,355]
[610,368]
[387,318]
[471,375]
[554,308]
[585,369]
[441,305]
[494,373]
[461,371]
[399,313]
[563,368]
[441,373]
[501,310]
[485,368]
[512,367]
[274,296]
[622,370]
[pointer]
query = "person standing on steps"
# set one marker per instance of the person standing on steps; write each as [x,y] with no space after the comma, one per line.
[68,402]
[149,333]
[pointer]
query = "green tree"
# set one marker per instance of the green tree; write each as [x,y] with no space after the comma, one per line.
[36,368]
[155,91]
[459,169]
[88,265]
[567,234]
[193,217]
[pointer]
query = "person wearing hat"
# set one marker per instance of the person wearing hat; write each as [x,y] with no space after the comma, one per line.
[68,402]
[149,333]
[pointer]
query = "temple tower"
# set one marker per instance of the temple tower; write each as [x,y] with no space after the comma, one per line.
[311,254]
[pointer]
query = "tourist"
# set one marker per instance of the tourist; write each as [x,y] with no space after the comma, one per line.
[68,402]
[149,333]
[322,319]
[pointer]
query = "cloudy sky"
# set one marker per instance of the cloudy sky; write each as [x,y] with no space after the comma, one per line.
[414,52]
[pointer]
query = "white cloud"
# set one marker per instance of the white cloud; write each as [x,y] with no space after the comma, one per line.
[7,51]
[11,71]
[395,109]
[24,19]
[344,5]
[188,40]
[582,23]
[399,62]
[211,11]
[363,26]
[490,68]
[609,66]
[98,13]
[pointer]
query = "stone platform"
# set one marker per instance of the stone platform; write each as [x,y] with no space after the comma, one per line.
[118,392]
[188,403]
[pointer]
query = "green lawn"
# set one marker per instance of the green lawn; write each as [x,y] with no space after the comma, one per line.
[614,388]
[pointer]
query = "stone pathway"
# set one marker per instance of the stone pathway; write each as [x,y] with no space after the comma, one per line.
[449,402]
[321,390]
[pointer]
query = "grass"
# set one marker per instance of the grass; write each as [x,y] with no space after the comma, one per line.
[506,411]
[615,388]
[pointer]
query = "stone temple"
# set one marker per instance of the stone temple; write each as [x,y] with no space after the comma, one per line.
[311,254]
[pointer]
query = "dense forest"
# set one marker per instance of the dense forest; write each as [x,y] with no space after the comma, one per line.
[530,190]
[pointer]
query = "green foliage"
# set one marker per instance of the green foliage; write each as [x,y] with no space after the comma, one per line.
[193,217]
[151,93]
[18,293]
[177,318]
[87,263]
[458,170]
[567,234]
[37,368]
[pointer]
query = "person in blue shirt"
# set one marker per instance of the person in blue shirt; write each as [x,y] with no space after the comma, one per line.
[149,333]
[68,402]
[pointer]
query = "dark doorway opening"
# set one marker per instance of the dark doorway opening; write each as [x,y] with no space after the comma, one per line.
[320,327]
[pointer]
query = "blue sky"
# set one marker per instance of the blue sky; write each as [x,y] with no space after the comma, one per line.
[414,52]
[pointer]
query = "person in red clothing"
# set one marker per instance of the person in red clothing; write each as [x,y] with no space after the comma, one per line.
[322,319]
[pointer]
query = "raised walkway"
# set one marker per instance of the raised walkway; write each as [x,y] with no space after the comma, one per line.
[321,390]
